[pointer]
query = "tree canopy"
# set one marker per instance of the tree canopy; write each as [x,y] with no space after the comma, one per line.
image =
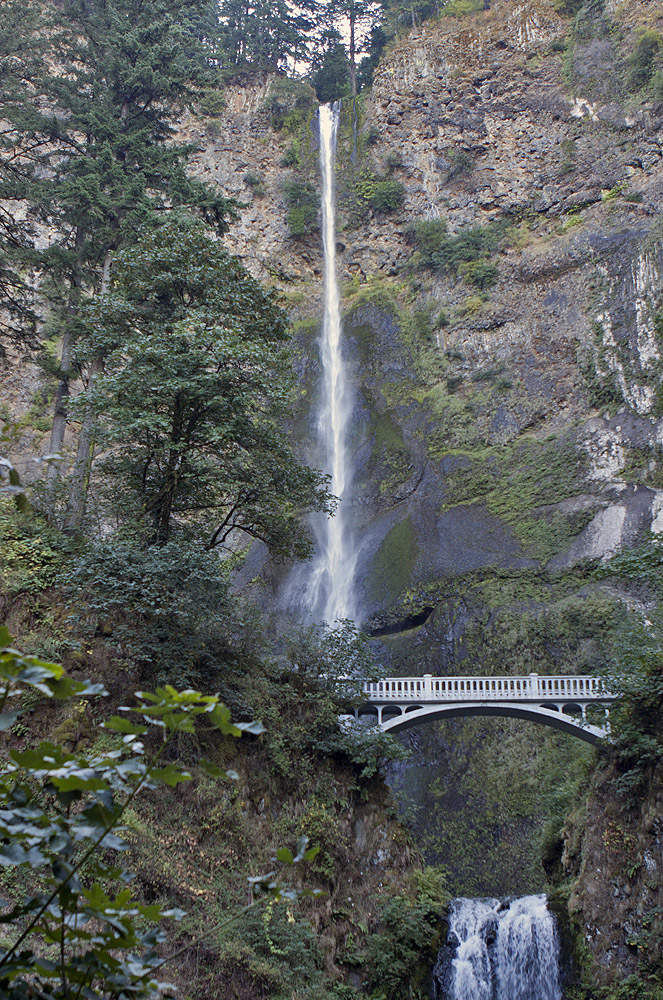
[195,394]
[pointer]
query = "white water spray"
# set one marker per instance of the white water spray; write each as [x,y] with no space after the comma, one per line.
[330,592]
[504,951]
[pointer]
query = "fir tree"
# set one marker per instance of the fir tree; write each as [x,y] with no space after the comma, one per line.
[195,397]
[89,149]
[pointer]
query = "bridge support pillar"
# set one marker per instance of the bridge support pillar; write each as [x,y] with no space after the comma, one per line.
[428,687]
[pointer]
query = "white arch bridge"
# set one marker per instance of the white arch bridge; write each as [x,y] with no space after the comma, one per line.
[561,702]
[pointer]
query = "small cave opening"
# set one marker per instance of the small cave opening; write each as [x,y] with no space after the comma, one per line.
[402,625]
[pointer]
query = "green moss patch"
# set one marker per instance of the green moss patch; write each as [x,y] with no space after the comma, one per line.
[393,563]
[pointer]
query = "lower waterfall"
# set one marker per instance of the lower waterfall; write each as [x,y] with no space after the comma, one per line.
[499,950]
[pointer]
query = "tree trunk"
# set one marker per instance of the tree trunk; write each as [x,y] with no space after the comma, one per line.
[86,439]
[353,66]
[163,510]
[62,394]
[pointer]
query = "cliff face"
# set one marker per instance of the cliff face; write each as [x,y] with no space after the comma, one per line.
[517,121]
[614,853]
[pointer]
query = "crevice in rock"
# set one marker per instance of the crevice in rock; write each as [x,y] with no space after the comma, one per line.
[402,625]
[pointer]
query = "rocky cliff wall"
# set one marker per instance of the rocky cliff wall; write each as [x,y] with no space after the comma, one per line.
[613,853]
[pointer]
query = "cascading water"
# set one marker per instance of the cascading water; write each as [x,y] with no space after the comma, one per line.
[499,950]
[330,586]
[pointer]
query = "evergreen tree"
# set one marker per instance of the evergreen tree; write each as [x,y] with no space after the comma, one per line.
[360,15]
[195,396]
[331,70]
[19,61]
[266,35]
[88,150]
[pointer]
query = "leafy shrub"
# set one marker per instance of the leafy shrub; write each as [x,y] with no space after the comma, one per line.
[482,273]
[212,103]
[460,8]
[642,60]
[657,85]
[460,163]
[80,931]
[386,196]
[408,934]
[255,182]
[291,156]
[442,252]
[568,8]
[33,554]
[302,201]
[300,700]
[166,608]
[290,103]
[634,672]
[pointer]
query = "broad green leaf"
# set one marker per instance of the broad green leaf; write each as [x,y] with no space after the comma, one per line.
[79,783]
[7,719]
[212,769]
[169,775]
[284,855]
[121,725]
[12,854]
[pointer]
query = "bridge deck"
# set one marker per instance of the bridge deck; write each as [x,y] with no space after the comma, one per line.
[531,687]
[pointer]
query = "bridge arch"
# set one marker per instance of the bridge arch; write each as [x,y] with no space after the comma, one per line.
[554,718]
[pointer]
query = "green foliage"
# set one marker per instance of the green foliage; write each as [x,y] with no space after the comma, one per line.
[634,672]
[196,389]
[331,76]
[602,386]
[80,928]
[212,102]
[291,156]
[255,182]
[103,171]
[568,8]
[385,196]
[300,701]
[302,200]
[398,953]
[165,609]
[461,163]
[644,58]
[382,194]
[32,553]
[290,103]
[481,273]
[657,90]
[460,8]
[641,565]
[441,252]
[266,36]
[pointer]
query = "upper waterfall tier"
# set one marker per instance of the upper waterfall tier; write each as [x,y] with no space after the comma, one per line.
[331,589]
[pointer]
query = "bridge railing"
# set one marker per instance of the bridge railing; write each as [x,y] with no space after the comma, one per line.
[529,687]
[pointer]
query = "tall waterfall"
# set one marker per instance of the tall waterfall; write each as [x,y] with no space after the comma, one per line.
[499,950]
[330,591]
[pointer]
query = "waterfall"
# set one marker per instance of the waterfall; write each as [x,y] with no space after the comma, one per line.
[499,950]
[330,586]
